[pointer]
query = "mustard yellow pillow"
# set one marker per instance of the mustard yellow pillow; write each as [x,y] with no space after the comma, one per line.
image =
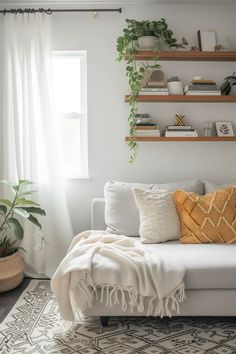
[210,218]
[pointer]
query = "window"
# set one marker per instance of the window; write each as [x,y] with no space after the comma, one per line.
[70,100]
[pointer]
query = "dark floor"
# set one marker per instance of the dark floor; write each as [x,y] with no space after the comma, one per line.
[8,298]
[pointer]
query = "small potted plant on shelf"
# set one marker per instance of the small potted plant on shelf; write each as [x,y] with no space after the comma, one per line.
[12,232]
[175,86]
[128,45]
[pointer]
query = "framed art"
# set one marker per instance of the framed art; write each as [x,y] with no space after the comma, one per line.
[224,129]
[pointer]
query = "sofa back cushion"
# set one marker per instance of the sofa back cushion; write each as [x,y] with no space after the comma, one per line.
[210,218]
[121,212]
[211,186]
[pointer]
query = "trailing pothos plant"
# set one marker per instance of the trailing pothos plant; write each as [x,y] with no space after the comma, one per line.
[127,47]
[11,211]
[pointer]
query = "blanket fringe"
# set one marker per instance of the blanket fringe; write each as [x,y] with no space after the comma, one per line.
[129,297]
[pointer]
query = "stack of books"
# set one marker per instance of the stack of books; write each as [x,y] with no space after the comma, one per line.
[202,87]
[180,131]
[155,88]
[147,129]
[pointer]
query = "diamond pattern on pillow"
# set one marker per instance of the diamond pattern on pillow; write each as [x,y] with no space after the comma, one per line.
[210,218]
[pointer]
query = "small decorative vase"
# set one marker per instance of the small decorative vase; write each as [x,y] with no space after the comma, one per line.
[147,42]
[11,271]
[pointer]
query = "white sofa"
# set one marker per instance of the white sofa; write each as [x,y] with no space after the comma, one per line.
[210,279]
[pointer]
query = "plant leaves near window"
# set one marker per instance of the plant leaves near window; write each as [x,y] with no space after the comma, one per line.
[7,202]
[33,210]
[35,221]
[16,228]
[3,209]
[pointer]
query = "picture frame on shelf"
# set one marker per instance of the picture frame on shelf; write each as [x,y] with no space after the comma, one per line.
[224,128]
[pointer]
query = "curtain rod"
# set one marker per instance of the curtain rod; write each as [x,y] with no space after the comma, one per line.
[50,11]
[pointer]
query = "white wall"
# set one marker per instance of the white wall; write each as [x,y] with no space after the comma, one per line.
[107,112]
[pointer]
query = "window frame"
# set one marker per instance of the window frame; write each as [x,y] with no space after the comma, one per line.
[83,172]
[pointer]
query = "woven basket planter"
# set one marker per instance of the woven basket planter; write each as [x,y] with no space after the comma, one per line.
[11,271]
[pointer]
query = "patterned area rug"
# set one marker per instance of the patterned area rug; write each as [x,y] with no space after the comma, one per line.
[30,328]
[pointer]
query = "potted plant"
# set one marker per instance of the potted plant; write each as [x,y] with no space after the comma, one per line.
[11,232]
[127,46]
[175,86]
[228,84]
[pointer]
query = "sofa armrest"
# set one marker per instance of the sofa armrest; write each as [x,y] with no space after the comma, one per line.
[98,214]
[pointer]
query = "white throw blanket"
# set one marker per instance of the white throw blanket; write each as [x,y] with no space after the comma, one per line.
[124,272]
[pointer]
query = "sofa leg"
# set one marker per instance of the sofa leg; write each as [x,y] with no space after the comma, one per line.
[104,321]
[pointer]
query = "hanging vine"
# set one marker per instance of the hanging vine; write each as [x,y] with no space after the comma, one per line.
[127,47]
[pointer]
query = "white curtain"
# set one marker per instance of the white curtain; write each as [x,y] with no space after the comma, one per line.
[30,135]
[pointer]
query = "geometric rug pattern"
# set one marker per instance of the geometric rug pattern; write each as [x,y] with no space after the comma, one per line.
[32,328]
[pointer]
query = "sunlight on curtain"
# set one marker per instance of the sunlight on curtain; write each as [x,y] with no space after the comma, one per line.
[30,135]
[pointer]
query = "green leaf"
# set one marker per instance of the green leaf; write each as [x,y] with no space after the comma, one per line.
[22,212]
[23,194]
[33,210]
[35,221]
[24,201]
[15,188]
[25,182]
[6,201]
[6,182]
[15,227]
[3,209]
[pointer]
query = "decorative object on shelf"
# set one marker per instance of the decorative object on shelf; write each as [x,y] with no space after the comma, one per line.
[228,83]
[179,119]
[206,40]
[224,129]
[194,49]
[11,232]
[219,47]
[175,86]
[208,128]
[127,48]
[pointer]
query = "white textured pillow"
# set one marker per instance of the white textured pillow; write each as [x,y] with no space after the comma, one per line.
[159,220]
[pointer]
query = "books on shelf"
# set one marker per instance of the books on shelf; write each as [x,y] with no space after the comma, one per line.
[192,133]
[203,82]
[156,84]
[154,89]
[148,133]
[148,129]
[203,93]
[202,88]
[178,127]
[191,87]
[180,131]
[154,93]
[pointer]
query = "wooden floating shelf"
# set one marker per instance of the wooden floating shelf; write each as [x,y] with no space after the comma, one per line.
[186,56]
[193,139]
[183,98]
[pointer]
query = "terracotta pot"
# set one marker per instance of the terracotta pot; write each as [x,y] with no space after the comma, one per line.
[11,271]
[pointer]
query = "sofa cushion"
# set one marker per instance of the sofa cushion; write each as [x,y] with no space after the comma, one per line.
[208,266]
[211,186]
[209,218]
[121,212]
[156,209]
